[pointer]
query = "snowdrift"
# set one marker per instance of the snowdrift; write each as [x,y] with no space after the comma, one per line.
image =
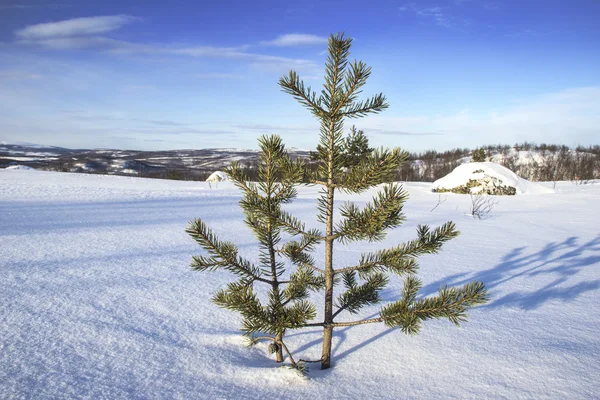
[486,177]
[23,167]
[217,176]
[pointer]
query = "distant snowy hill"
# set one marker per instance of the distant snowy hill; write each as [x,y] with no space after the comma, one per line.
[544,163]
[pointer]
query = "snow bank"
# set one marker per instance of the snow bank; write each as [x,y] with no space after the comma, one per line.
[23,167]
[217,176]
[489,174]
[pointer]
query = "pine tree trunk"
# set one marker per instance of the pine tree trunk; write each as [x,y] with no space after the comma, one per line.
[279,353]
[328,317]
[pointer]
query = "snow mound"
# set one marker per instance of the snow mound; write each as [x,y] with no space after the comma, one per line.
[24,167]
[217,176]
[486,177]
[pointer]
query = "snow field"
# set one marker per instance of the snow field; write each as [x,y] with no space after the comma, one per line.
[98,300]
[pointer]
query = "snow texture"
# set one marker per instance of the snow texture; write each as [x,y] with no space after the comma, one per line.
[98,300]
[478,170]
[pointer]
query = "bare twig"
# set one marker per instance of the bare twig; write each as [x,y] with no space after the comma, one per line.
[440,201]
[481,205]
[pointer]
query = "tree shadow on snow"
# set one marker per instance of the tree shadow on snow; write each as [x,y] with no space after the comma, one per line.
[562,261]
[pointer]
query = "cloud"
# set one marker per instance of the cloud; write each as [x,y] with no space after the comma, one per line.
[30,6]
[272,128]
[217,75]
[522,33]
[261,60]
[162,122]
[396,132]
[435,14]
[19,75]
[16,7]
[295,39]
[88,34]
[74,27]
[114,46]
[570,116]
[138,88]
[87,42]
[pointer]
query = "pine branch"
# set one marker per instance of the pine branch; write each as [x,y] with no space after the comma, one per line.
[239,177]
[296,251]
[292,84]
[450,303]
[373,105]
[222,254]
[370,223]
[357,76]
[358,296]
[300,283]
[402,259]
[294,226]
[408,313]
[337,60]
[378,167]
[240,297]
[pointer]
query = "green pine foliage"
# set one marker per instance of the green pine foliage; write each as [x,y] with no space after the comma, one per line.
[284,241]
[287,307]
[347,164]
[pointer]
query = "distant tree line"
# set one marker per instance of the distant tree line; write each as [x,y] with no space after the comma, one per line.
[542,162]
[535,162]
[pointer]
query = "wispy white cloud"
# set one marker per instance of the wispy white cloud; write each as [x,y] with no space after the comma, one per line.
[272,128]
[436,14]
[13,75]
[523,33]
[30,6]
[15,7]
[217,75]
[74,27]
[84,33]
[139,88]
[295,39]
[570,116]
[87,42]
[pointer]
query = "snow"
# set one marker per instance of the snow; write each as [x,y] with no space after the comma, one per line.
[217,176]
[98,300]
[19,158]
[477,170]
[20,167]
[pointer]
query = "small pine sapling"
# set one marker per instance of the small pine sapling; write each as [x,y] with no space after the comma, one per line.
[479,155]
[287,307]
[364,281]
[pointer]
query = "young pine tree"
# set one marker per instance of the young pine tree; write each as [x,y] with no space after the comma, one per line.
[355,147]
[363,282]
[479,155]
[287,307]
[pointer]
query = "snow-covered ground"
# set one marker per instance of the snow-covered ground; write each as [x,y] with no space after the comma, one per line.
[97,299]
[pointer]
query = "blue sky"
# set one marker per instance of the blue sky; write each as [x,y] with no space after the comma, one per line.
[193,74]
